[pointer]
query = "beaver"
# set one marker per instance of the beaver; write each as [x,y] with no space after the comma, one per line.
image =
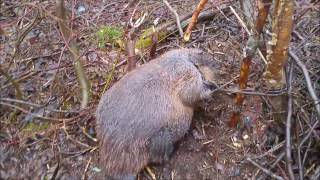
[142,116]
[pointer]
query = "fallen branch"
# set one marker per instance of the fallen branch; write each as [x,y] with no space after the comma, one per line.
[265,170]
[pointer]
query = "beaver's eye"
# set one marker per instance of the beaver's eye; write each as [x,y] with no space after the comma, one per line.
[210,85]
[196,64]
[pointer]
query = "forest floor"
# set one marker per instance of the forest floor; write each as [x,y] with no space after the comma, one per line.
[46,135]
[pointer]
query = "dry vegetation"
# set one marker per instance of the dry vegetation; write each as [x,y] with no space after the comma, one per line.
[47,125]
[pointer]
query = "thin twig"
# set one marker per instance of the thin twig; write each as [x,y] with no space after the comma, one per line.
[300,164]
[316,173]
[279,93]
[186,19]
[227,83]
[22,36]
[57,71]
[97,14]
[176,15]
[110,75]
[66,34]
[32,114]
[139,21]
[31,73]
[276,147]
[288,126]
[308,80]
[265,170]
[306,153]
[240,20]
[37,105]
[88,135]
[273,165]
[55,172]
[38,57]
[307,121]
[85,170]
[15,84]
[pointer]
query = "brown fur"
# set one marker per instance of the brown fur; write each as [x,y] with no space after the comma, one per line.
[149,108]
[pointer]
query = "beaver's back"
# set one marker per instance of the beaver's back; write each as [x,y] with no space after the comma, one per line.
[138,106]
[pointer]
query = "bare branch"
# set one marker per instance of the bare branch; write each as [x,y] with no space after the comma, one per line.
[244,91]
[32,114]
[316,174]
[37,105]
[13,82]
[194,19]
[74,50]
[308,80]
[84,175]
[299,149]
[21,37]
[138,21]
[288,126]
[247,30]
[282,23]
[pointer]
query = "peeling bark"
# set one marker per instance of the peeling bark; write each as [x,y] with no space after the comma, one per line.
[274,77]
[251,47]
[194,19]
[281,35]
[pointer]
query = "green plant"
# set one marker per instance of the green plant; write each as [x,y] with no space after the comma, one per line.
[109,34]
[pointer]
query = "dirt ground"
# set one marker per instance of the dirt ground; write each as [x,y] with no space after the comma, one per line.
[64,146]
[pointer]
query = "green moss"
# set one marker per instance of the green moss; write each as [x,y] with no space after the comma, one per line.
[109,34]
[113,35]
[145,40]
[33,127]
